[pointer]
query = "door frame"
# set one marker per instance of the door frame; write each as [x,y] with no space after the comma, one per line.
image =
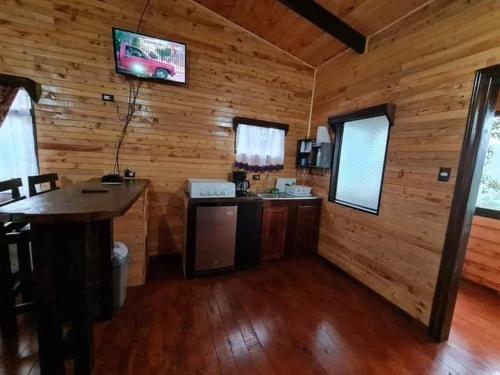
[472,158]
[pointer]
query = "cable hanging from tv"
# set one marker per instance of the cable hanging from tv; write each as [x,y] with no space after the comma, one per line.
[133,93]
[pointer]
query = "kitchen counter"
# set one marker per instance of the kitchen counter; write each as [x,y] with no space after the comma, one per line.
[283,196]
[251,197]
[269,226]
[244,198]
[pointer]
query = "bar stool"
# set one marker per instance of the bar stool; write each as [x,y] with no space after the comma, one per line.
[49,178]
[12,282]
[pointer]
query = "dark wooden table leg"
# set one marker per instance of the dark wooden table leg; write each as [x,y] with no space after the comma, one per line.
[104,238]
[74,245]
[24,257]
[8,320]
[80,245]
[50,339]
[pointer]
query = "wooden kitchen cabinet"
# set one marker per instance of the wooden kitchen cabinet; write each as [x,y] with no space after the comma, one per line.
[273,233]
[289,228]
[306,230]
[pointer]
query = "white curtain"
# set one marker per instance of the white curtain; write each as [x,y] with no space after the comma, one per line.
[17,144]
[259,149]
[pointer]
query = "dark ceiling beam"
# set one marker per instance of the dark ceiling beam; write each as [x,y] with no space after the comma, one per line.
[328,22]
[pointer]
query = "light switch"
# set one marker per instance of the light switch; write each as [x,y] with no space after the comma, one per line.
[444,174]
[108,97]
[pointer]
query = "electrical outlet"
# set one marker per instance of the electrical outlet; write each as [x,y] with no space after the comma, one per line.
[107,98]
[256,177]
[444,174]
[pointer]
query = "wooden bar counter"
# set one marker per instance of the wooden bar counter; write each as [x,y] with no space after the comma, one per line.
[72,240]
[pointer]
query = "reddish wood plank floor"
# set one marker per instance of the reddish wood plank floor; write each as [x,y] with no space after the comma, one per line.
[297,316]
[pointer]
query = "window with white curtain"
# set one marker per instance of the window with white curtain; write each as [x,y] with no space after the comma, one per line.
[18,157]
[259,149]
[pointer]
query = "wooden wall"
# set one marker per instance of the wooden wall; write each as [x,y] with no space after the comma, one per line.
[482,260]
[178,132]
[424,64]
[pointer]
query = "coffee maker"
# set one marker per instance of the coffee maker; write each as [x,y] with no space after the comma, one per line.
[241,183]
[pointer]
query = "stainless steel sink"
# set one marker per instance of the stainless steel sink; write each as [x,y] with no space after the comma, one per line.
[281,196]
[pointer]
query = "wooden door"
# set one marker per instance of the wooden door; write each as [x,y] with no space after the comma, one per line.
[273,237]
[306,230]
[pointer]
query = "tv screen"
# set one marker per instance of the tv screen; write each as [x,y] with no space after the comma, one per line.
[151,58]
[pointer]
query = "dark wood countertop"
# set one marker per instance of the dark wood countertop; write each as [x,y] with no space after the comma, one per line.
[244,198]
[70,204]
[250,197]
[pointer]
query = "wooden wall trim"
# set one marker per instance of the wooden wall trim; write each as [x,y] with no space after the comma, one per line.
[486,212]
[33,88]
[262,123]
[387,109]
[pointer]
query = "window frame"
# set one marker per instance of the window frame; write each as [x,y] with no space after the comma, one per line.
[261,123]
[489,213]
[33,88]
[336,123]
[35,135]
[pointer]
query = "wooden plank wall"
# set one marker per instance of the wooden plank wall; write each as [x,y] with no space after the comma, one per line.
[178,132]
[482,260]
[424,64]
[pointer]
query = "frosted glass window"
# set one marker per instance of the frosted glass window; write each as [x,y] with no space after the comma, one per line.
[361,163]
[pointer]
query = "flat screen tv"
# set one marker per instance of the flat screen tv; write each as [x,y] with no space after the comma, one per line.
[146,57]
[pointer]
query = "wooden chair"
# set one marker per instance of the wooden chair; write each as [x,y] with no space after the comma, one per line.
[50,178]
[10,188]
[13,283]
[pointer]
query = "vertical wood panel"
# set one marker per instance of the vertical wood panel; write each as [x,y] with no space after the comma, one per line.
[177,132]
[425,65]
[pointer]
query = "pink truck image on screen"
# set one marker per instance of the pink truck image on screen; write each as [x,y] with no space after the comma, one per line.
[146,57]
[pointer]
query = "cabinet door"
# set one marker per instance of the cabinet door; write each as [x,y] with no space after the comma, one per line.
[273,237]
[306,230]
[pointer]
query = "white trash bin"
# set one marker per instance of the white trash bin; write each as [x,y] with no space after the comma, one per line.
[121,255]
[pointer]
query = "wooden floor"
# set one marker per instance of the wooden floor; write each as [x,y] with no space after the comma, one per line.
[297,316]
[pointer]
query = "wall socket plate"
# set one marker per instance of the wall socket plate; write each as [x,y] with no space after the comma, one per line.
[444,174]
[107,98]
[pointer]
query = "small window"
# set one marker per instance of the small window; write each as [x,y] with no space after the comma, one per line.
[488,200]
[18,157]
[259,145]
[361,140]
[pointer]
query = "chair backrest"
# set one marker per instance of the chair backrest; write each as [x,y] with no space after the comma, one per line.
[12,187]
[50,178]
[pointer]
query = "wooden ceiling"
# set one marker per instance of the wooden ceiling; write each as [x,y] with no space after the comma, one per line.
[273,21]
